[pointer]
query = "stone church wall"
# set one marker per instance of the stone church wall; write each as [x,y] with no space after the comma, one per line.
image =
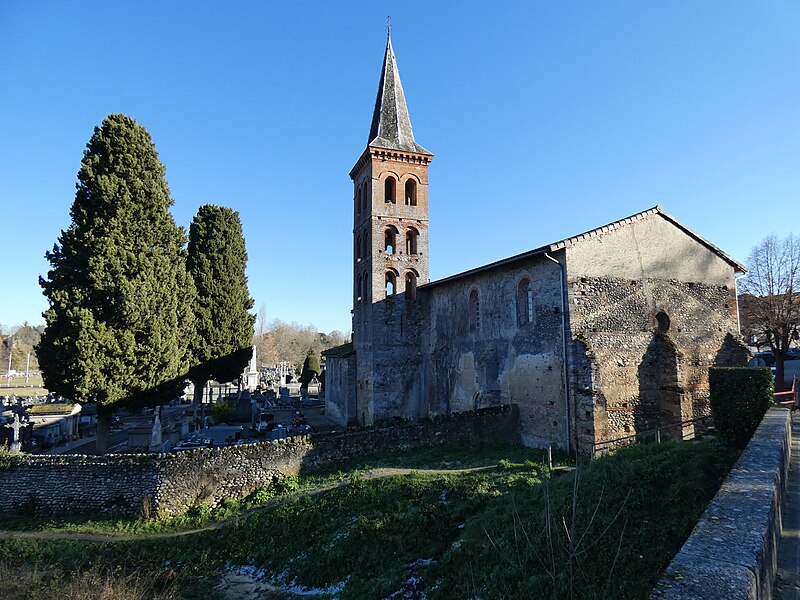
[631,373]
[396,359]
[633,378]
[340,389]
[499,362]
[169,484]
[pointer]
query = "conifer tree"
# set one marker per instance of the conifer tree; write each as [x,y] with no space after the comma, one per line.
[116,328]
[310,368]
[223,335]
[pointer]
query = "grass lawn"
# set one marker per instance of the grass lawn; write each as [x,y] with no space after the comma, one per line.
[17,386]
[496,533]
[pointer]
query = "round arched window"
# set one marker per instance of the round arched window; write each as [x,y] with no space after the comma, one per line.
[662,322]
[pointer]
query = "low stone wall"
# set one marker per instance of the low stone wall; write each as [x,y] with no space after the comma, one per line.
[64,484]
[167,484]
[732,552]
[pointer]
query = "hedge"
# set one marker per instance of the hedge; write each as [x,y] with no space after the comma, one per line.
[739,399]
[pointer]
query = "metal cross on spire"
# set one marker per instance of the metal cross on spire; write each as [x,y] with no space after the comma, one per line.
[389,25]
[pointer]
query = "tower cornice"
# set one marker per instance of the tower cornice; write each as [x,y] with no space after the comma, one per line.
[372,152]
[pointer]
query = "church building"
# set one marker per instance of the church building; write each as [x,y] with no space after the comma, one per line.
[599,337]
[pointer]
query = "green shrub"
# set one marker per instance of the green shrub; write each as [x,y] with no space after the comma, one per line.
[286,485]
[739,399]
[11,459]
[222,412]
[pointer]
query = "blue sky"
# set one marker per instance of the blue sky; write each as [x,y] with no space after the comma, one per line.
[546,119]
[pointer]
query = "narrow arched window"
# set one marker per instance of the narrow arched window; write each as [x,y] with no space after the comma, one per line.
[411,286]
[365,197]
[524,302]
[411,241]
[390,240]
[359,289]
[389,195]
[391,284]
[358,200]
[662,322]
[359,249]
[411,193]
[474,310]
[365,289]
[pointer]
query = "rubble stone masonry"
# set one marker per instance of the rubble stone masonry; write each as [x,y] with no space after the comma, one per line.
[168,484]
[641,353]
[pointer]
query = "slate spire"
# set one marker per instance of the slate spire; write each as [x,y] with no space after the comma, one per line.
[391,126]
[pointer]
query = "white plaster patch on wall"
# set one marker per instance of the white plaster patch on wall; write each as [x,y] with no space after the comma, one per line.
[466,384]
[534,382]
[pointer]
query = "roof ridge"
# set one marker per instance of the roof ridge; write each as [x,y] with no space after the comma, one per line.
[564,243]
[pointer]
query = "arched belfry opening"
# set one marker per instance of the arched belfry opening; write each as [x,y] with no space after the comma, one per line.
[412,241]
[390,190]
[390,239]
[391,284]
[411,193]
[411,285]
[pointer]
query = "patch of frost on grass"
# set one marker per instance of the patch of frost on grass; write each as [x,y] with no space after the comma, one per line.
[300,590]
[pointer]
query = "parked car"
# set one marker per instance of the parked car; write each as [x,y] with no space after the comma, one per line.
[769,360]
[763,359]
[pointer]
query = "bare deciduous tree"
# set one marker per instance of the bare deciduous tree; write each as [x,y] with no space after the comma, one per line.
[773,283]
[279,341]
[261,321]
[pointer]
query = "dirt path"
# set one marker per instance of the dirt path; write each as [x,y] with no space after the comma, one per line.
[110,538]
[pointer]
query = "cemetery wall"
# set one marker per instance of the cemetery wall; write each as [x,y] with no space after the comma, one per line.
[65,484]
[168,484]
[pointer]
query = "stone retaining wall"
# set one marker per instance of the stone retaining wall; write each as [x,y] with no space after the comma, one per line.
[732,552]
[167,484]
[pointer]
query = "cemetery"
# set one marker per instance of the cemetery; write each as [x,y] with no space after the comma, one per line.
[166,484]
[270,406]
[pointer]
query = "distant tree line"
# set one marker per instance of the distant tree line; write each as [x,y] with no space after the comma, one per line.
[20,342]
[278,341]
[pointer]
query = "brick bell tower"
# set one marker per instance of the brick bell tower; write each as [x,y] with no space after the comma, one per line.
[390,249]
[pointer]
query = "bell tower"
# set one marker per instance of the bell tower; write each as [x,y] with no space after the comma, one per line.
[390,240]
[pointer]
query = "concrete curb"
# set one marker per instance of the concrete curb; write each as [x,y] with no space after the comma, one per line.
[732,552]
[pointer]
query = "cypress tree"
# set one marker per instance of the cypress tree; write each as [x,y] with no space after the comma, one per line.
[310,368]
[116,328]
[223,335]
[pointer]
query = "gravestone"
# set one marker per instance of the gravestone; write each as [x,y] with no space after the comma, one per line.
[16,438]
[156,436]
